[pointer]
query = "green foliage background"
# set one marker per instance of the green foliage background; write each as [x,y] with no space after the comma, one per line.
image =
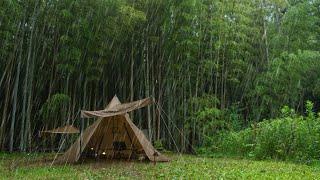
[213,66]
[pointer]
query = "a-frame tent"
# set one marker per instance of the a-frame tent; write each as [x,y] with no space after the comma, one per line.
[112,134]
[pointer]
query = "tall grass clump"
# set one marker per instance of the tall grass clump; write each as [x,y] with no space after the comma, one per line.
[289,137]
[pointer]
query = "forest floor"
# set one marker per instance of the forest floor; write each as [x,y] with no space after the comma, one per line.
[38,166]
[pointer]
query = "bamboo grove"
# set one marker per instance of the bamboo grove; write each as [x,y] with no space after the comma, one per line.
[210,65]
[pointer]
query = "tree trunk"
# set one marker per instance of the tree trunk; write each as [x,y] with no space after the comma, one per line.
[27,96]
[131,78]
[148,89]
[265,36]
[14,108]
[5,113]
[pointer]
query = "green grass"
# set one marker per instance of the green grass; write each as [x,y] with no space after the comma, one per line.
[37,166]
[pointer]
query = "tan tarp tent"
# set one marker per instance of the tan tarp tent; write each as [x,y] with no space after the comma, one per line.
[69,129]
[113,134]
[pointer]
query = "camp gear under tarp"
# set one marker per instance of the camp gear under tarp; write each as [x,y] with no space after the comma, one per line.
[113,135]
[69,129]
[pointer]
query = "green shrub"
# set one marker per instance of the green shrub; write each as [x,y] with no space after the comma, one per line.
[158,145]
[290,137]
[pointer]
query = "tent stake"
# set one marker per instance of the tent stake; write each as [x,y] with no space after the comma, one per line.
[154,157]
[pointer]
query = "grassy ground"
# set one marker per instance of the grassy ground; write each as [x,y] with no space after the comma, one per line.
[35,166]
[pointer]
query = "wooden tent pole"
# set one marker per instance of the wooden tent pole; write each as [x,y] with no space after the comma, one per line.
[81,133]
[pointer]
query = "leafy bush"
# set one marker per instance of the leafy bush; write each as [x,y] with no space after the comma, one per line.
[158,145]
[208,120]
[289,137]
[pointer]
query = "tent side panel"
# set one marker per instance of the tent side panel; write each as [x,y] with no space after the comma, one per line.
[73,153]
[145,143]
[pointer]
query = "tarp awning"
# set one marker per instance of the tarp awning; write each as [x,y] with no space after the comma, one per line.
[118,109]
[69,129]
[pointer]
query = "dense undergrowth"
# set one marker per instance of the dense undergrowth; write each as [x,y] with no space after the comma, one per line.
[289,137]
